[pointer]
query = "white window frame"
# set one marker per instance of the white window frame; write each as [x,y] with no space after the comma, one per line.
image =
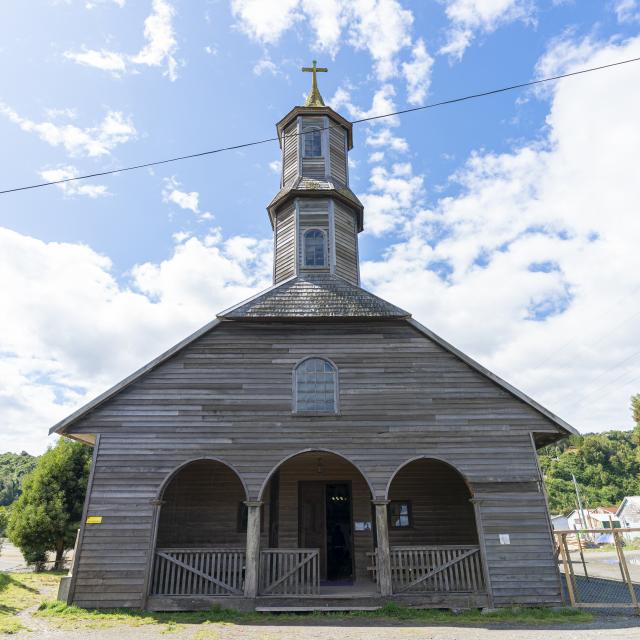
[325,245]
[336,389]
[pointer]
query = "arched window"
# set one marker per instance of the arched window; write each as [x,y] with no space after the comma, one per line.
[314,248]
[315,386]
[312,143]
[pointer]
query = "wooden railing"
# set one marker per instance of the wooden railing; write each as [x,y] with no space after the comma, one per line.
[189,572]
[290,571]
[436,569]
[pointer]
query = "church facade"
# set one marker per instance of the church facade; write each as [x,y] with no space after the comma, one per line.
[314,446]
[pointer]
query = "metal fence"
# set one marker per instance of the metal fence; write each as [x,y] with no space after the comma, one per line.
[599,574]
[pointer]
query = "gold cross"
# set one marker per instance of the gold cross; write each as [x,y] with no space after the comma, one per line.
[314,99]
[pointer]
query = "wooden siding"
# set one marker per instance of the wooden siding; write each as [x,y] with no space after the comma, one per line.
[285,243]
[313,214]
[346,241]
[228,395]
[290,147]
[441,511]
[337,150]
[313,167]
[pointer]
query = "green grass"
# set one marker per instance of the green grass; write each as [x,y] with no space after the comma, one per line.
[522,615]
[19,591]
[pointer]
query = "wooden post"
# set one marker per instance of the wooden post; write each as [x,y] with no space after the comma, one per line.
[383,553]
[483,550]
[567,571]
[253,548]
[625,571]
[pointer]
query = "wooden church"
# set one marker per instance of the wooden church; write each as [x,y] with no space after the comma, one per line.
[314,446]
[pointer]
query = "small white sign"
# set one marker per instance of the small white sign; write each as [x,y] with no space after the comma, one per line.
[504,538]
[363,526]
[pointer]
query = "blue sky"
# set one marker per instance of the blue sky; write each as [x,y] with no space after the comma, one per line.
[505,224]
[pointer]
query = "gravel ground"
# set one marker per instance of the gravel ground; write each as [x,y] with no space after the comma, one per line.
[618,628]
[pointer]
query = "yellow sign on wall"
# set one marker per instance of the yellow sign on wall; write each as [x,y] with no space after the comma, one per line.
[94,519]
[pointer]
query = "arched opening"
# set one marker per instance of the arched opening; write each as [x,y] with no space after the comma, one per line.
[319,502]
[433,537]
[314,248]
[201,532]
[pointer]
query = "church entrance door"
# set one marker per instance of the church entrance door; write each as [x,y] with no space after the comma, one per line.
[324,518]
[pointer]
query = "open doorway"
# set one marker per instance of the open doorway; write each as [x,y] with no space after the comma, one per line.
[325,516]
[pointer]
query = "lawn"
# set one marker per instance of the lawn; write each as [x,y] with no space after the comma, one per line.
[30,590]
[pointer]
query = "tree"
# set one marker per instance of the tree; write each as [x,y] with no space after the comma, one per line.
[606,466]
[45,517]
[13,468]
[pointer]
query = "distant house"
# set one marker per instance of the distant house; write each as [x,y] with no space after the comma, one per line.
[628,513]
[598,518]
[560,523]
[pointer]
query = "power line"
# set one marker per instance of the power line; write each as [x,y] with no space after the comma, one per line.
[433,105]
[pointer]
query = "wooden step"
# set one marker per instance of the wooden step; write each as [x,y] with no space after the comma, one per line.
[294,609]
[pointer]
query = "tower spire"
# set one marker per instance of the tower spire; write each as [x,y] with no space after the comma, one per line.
[314,99]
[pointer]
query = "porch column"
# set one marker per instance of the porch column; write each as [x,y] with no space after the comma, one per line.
[253,548]
[384,557]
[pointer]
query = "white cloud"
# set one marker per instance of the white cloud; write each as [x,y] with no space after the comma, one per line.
[115,129]
[73,188]
[467,17]
[380,27]
[276,166]
[105,60]
[189,200]
[158,51]
[383,28]
[265,66]
[418,73]
[327,17]
[533,267]
[627,11]
[70,330]
[265,20]
[384,138]
[392,195]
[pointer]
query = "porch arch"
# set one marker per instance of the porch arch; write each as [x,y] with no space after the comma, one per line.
[318,502]
[434,539]
[200,531]
[430,503]
[428,457]
[169,477]
[312,450]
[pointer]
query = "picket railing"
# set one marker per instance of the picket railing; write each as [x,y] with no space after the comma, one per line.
[436,569]
[290,572]
[182,572]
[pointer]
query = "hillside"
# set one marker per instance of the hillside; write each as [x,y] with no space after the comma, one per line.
[13,468]
[606,466]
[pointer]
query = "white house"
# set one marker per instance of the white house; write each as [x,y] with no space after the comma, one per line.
[629,514]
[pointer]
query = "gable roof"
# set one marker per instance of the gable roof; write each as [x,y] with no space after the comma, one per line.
[314,296]
[565,426]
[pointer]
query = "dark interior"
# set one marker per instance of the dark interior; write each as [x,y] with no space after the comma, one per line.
[339,540]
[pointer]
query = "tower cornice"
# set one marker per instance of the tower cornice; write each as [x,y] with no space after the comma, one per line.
[315,111]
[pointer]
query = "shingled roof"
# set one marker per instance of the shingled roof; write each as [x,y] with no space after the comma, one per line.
[310,187]
[313,296]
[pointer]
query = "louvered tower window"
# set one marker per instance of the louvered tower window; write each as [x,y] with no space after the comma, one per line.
[315,386]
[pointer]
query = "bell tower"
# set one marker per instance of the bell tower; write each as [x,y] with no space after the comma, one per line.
[315,216]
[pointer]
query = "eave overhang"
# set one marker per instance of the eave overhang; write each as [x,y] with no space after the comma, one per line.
[343,194]
[315,111]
